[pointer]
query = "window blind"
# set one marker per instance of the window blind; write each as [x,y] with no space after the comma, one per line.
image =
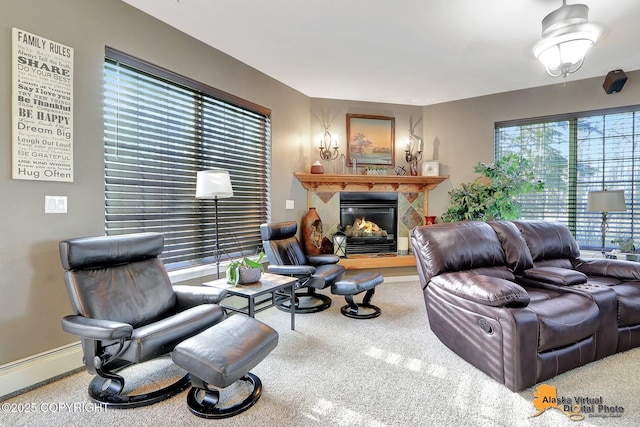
[160,130]
[576,154]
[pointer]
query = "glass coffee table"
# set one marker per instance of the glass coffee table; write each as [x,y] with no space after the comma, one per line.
[275,287]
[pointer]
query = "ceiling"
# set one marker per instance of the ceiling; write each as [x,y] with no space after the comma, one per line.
[413,52]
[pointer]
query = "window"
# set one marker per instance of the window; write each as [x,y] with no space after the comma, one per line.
[160,130]
[574,155]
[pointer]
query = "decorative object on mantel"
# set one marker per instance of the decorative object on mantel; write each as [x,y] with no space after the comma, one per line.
[317,168]
[312,232]
[401,171]
[343,164]
[413,152]
[430,168]
[327,144]
[370,140]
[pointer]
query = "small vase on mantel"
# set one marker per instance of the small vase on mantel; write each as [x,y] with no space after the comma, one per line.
[312,232]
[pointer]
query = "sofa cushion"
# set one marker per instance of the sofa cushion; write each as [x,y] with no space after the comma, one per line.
[515,248]
[548,240]
[565,319]
[457,247]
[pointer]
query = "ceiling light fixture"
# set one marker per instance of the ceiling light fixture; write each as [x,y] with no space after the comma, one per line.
[567,36]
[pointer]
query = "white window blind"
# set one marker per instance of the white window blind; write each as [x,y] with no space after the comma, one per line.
[575,154]
[160,130]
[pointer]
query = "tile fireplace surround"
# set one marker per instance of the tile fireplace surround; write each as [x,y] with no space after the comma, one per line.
[324,194]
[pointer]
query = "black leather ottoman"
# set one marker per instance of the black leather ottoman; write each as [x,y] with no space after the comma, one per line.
[220,356]
[354,285]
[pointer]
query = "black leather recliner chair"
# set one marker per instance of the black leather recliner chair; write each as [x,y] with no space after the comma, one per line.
[287,257]
[126,311]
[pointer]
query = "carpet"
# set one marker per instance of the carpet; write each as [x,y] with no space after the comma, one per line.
[337,371]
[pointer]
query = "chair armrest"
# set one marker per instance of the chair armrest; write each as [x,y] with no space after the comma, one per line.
[96,329]
[616,268]
[292,270]
[191,296]
[323,259]
[554,276]
[482,289]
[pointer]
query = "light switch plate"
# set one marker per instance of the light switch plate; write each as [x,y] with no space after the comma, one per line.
[289,204]
[55,204]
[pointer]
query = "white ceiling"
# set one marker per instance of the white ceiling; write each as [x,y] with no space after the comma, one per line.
[414,52]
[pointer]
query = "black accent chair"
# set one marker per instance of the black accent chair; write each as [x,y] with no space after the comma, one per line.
[126,311]
[286,257]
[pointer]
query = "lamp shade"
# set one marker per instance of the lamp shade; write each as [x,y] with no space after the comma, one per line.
[213,184]
[567,36]
[606,201]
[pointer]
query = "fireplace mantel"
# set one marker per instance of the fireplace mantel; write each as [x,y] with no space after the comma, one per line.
[340,182]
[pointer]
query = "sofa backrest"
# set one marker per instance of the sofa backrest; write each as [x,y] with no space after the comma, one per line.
[550,244]
[458,246]
[516,252]
[118,278]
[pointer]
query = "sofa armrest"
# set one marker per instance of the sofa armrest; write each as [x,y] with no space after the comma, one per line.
[619,269]
[292,270]
[482,289]
[323,259]
[554,276]
[96,329]
[191,296]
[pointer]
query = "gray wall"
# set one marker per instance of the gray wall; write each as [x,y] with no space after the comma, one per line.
[462,132]
[31,284]
[33,295]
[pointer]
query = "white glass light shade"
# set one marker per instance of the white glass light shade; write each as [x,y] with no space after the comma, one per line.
[213,184]
[567,36]
[606,201]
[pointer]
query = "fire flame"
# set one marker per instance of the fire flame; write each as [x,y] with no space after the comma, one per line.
[367,226]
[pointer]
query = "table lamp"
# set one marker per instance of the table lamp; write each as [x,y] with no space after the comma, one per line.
[606,201]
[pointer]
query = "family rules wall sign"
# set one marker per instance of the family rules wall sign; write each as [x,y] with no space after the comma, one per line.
[42,106]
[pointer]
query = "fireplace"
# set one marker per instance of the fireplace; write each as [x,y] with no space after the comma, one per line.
[370,221]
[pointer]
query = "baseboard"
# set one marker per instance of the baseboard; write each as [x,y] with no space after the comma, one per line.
[35,369]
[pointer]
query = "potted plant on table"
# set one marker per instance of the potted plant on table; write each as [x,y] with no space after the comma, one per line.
[245,270]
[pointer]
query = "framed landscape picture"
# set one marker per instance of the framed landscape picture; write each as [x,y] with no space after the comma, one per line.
[370,140]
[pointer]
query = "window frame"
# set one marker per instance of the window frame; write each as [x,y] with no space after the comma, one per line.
[586,225]
[215,126]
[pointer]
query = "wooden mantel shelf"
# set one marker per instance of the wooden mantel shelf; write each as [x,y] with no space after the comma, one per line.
[339,182]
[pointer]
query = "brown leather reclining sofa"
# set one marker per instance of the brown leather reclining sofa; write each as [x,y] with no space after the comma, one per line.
[514,298]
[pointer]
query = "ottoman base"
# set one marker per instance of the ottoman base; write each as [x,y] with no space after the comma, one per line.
[205,403]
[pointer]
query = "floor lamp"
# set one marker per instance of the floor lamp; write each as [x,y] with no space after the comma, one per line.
[214,184]
[606,201]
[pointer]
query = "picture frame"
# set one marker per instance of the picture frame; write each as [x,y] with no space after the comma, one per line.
[370,140]
[431,168]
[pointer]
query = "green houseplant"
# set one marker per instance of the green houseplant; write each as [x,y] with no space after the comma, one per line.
[493,196]
[245,270]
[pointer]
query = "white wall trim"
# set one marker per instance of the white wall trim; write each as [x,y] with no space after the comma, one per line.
[34,369]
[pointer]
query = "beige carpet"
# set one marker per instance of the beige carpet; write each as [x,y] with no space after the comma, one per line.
[336,371]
